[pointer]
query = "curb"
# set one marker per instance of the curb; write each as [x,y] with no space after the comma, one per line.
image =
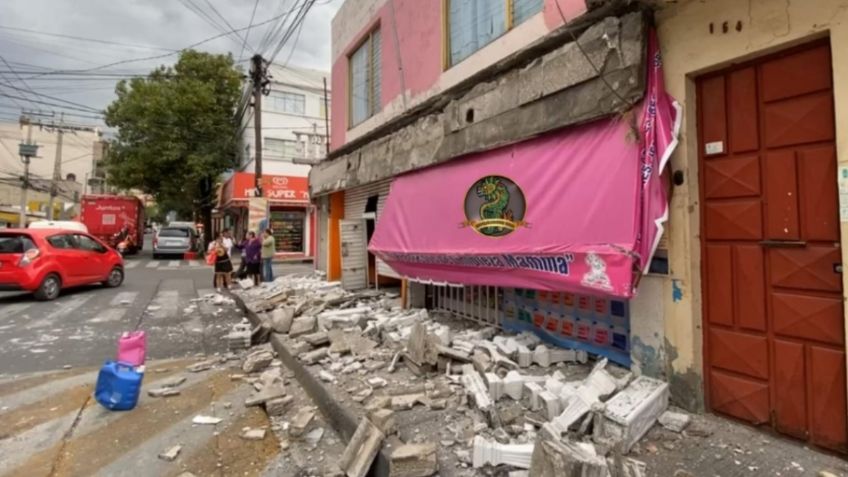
[344,421]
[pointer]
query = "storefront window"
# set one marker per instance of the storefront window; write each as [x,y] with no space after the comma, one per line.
[288,230]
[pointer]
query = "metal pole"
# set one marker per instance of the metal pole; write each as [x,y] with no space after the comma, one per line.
[326,118]
[57,171]
[25,186]
[257,75]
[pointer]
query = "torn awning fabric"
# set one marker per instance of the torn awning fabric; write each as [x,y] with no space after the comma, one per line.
[577,210]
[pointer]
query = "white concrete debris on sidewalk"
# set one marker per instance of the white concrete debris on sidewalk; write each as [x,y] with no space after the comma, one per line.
[530,405]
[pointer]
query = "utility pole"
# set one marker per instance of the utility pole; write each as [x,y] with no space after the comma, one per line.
[261,81]
[27,151]
[57,170]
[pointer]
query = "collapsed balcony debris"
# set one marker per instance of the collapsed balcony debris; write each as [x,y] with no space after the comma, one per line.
[507,400]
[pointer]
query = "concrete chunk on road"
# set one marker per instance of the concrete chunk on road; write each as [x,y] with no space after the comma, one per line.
[163,392]
[171,454]
[414,460]
[257,361]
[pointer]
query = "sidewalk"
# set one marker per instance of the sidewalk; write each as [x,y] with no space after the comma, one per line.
[433,408]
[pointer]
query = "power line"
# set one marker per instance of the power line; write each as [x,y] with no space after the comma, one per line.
[48,104]
[79,38]
[93,110]
[247,34]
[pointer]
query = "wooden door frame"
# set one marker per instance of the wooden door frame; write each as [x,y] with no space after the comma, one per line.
[698,80]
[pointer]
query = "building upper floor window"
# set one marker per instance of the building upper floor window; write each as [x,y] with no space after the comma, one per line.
[281,148]
[364,79]
[474,24]
[285,102]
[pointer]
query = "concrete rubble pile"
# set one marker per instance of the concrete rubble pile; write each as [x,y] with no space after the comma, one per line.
[506,401]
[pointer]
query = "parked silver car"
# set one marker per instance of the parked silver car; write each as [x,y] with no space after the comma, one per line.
[173,241]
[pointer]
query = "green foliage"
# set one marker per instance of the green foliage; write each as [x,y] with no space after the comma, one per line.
[176,130]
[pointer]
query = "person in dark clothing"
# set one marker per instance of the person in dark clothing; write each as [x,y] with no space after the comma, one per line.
[251,248]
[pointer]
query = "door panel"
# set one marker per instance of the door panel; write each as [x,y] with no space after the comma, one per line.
[774,327]
[790,384]
[354,254]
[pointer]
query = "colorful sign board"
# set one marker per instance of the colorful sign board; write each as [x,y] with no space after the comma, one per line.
[275,188]
[596,324]
[257,215]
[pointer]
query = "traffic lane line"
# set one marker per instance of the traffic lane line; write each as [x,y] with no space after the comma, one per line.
[85,454]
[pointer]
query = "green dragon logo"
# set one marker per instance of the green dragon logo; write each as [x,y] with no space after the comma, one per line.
[495,206]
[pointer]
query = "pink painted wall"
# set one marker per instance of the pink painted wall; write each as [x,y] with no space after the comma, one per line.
[419,37]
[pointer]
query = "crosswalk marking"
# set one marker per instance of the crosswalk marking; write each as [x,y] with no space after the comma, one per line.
[64,307]
[152,264]
[109,315]
[124,298]
[131,264]
[14,309]
[194,263]
[173,264]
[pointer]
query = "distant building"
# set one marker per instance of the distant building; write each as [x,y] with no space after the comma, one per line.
[294,127]
[77,166]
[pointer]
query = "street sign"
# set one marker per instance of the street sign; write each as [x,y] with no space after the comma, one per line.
[27,150]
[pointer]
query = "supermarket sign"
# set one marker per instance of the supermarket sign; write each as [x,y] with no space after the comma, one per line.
[275,188]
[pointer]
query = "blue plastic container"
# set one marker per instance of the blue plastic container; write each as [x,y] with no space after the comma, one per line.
[118,386]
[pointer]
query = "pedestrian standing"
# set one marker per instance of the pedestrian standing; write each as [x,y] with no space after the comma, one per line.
[252,257]
[269,248]
[223,265]
[228,241]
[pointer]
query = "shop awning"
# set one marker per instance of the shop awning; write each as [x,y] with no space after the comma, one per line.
[577,210]
[279,190]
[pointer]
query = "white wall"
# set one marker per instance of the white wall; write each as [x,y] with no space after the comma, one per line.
[279,125]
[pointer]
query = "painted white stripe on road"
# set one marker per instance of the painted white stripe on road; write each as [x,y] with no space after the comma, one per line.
[109,315]
[165,304]
[152,264]
[124,299]
[64,307]
[131,264]
[174,263]
[194,263]
[9,311]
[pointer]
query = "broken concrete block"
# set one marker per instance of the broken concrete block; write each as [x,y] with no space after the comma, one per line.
[314,436]
[302,326]
[496,386]
[277,407]
[268,393]
[318,338]
[513,384]
[202,366]
[301,421]
[413,460]
[407,401]
[674,421]
[352,367]
[384,419]
[361,450]
[550,404]
[631,412]
[172,382]
[556,458]
[542,356]
[257,361]
[315,355]
[560,355]
[253,434]
[482,361]
[163,392]
[171,454]
[524,356]
[631,467]
[497,358]
[298,347]
[532,392]
[476,388]
[206,420]
[281,319]
[377,382]
[326,376]
[494,453]
[416,346]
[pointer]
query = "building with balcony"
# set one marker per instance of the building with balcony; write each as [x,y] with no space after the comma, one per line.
[294,128]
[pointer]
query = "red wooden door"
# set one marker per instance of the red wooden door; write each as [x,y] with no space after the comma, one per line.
[773,314]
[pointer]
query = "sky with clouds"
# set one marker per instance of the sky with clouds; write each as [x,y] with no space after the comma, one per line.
[122,30]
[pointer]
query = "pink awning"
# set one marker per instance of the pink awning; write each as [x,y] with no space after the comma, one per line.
[577,210]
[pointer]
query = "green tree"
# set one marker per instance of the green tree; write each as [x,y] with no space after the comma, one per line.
[177,132]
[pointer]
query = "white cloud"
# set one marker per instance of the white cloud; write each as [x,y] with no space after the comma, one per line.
[163,24]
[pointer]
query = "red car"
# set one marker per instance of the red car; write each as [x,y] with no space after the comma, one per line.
[45,261]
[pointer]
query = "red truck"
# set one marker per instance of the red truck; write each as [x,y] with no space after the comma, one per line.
[116,219]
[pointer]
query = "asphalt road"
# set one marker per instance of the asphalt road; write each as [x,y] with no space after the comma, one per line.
[81,328]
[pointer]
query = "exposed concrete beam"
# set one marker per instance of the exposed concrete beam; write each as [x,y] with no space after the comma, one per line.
[561,88]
